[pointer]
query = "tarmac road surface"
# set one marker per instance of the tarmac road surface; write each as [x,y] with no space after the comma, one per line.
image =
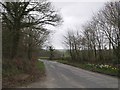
[65,76]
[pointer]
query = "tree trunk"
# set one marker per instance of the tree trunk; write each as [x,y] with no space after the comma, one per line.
[15,42]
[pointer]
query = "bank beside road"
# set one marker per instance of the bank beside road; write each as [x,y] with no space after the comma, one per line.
[19,79]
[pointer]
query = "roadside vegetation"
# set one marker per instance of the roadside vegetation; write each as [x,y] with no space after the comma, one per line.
[24,33]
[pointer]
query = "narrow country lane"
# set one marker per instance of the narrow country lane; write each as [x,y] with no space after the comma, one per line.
[65,76]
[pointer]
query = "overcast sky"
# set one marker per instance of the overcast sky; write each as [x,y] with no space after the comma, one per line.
[75,13]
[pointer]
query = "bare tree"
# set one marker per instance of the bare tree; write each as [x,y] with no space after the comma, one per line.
[73,42]
[20,15]
[109,20]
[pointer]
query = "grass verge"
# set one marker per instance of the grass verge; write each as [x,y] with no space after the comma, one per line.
[40,65]
[108,71]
